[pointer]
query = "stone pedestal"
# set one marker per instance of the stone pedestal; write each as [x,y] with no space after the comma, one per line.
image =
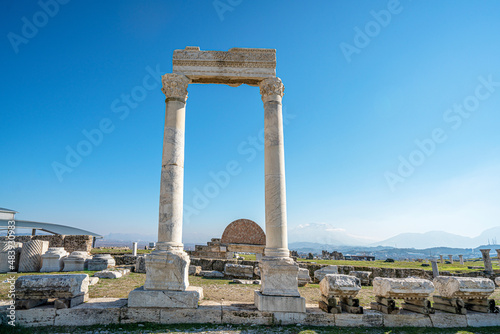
[31,255]
[488,267]
[76,261]
[279,277]
[165,298]
[167,270]
[53,260]
[461,257]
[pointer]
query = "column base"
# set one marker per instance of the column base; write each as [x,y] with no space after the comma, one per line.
[279,276]
[165,298]
[167,270]
[279,303]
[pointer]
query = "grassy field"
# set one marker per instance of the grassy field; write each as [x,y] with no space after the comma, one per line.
[454,267]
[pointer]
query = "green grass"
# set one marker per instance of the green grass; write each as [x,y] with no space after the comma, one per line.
[208,328]
[455,267]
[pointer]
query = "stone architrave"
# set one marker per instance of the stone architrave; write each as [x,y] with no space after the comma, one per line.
[31,255]
[488,267]
[51,286]
[7,263]
[101,262]
[461,257]
[435,269]
[407,288]
[337,285]
[463,287]
[53,259]
[320,273]
[76,261]
[450,257]
[68,290]
[304,278]
[441,259]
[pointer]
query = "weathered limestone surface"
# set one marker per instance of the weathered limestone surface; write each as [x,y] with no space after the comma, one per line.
[212,274]
[279,277]
[320,274]
[238,271]
[76,261]
[279,303]
[402,287]
[164,298]
[5,247]
[337,285]
[52,260]
[31,255]
[140,264]
[234,67]
[111,274]
[303,277]
[194,270]
[101,262]
[51,286]
[167,270]
[461,258]
[364,276]
[463,287]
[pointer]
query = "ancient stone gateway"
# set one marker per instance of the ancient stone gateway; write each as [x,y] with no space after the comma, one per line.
[244,235]
[167,266]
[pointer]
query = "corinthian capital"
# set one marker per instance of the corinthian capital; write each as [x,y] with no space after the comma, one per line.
[175,86]
[271,87]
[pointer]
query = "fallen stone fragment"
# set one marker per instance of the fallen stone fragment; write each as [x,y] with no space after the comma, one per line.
[463,287]
[402,287]
[337,285]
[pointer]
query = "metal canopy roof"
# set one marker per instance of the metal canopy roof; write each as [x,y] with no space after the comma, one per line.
[47,227]
[7,210]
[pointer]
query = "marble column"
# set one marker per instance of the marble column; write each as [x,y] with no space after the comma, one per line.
[498,255]
[279,289]
[441,259]
[488,268]
[450,257]
[435,269]
[461,257]
[167,266]
[134,249]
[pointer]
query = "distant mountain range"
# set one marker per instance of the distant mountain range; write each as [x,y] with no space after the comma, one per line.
[322,233]
[328,236]
[440,239]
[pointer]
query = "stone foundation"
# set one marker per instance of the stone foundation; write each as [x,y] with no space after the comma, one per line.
[100,311]
[165,298]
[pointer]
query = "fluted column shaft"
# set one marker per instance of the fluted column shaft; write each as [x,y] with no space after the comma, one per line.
[272,90]
[172,169]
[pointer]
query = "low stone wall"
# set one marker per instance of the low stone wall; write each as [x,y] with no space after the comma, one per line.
[101,311]
[70,243]
[122,260]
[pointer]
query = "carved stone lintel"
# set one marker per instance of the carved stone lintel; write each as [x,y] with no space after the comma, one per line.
[271,87]
[175,86]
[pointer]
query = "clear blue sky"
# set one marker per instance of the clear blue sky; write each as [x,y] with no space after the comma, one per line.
[359,93]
